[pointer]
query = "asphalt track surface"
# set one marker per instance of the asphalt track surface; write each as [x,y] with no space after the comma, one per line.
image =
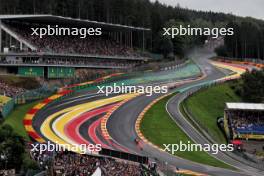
[121,124]
[77,119]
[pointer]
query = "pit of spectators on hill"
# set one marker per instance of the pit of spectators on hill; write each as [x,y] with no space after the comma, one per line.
[11,85]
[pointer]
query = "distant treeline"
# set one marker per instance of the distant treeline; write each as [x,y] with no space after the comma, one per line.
[247,41]
[130,12]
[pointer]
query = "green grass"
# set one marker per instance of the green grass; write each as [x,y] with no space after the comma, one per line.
[15,119]
[207,105]
[158,127]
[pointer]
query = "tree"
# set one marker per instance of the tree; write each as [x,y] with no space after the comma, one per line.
[221,51]
[253,86]
[154,15]
[11,149]
[163,45]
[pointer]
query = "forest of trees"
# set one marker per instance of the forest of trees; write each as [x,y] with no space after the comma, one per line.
[250,87]
[152,15]
[247,41]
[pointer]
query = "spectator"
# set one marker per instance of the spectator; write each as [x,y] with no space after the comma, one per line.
[9,91]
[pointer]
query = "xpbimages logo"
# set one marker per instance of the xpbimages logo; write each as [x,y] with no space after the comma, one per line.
[183,147]
[194,31]
[80,148]
[65,31]
[117,89]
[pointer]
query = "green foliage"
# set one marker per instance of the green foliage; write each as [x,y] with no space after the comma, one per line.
[163,45]
[247,41]
[158,127]
[252,88]
[28,163]
[15,119]
[206,110]
[12,151]
[141,13]
[11,148]
[243,44]
[221,51]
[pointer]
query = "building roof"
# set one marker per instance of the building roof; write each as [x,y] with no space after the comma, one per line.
[52,19]
[245,106]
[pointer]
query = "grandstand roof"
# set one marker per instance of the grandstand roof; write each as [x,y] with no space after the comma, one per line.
[52,19]
[245,106]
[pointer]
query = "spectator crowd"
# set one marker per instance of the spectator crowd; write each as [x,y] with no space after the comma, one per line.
[247,122]
[10,91]
[70,62]
[72,164]
[99,45]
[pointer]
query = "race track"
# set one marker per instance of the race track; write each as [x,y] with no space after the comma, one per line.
[89,118]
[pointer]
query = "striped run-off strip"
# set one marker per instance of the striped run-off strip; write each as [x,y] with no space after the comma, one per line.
[53,128]
[27,121]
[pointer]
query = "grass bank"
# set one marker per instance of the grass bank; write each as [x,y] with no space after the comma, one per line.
[207,105]
[15,119]
[158,127]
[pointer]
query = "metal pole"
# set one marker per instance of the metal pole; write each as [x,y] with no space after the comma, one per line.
[131,39]
[21,46]
[0,36]
[143,41]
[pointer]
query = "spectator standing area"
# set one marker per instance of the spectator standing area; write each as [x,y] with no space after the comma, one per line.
[244,121]
[57,56]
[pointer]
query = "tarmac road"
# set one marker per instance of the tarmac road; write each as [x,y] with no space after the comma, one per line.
[121,126]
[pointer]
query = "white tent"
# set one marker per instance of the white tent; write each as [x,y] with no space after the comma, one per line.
[98,172]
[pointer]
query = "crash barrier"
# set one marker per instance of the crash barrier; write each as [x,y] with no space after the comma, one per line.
[124,155]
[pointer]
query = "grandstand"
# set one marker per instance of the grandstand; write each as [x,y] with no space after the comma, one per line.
[119,46]
[244,121]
